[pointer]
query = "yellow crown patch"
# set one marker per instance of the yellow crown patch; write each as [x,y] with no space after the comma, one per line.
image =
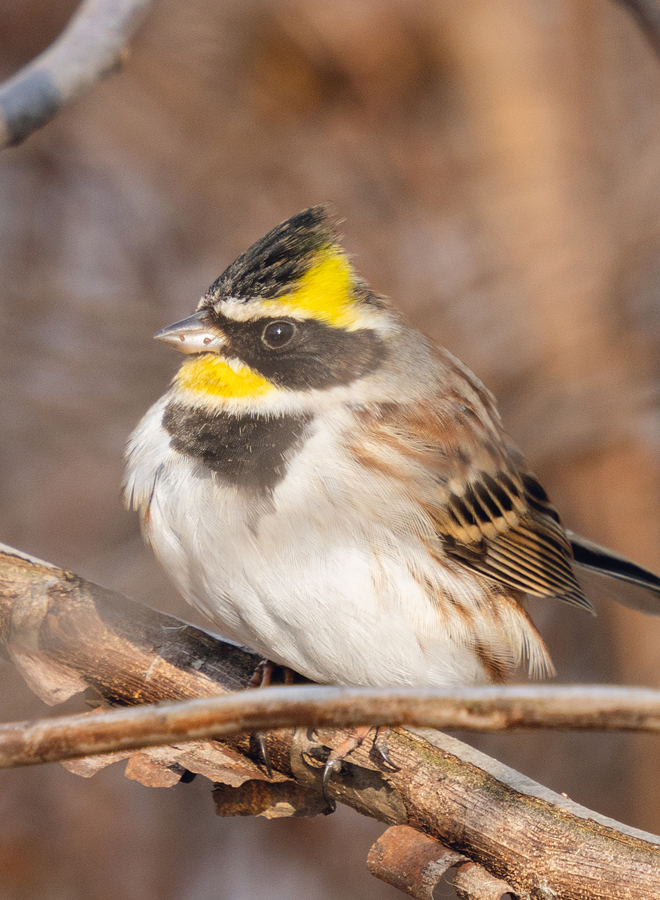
[325,293]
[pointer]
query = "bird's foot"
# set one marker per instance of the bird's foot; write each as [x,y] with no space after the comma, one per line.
[263,674]
[335,760]
[263,677]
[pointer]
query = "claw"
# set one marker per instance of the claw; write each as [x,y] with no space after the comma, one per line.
[261,737]
[337,756]
[334,762]
[380,746]
[332,767]
[262,677]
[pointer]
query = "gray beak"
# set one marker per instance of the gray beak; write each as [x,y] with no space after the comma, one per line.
[191,335]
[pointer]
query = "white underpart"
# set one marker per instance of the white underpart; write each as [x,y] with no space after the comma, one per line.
[326,576]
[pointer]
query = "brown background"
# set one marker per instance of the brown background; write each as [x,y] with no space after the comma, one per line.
[498,169]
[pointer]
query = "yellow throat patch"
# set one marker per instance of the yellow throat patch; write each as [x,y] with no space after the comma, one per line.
[211,375]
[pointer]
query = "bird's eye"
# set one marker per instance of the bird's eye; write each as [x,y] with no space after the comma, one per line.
[277,334]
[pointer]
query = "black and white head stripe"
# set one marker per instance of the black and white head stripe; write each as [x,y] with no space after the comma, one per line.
[270,267]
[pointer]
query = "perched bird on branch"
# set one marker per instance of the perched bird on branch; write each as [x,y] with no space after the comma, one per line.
[338,494]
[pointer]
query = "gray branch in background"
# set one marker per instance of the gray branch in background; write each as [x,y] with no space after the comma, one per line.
[89,48]
[93,44]
[647,15]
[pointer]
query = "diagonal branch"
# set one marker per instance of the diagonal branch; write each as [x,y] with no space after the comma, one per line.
[88,49]
[65,633]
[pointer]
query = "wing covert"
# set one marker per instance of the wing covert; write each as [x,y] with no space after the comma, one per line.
[503,526]
[489,512]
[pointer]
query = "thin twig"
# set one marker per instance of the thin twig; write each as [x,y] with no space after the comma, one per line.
[475,709]
[88,49]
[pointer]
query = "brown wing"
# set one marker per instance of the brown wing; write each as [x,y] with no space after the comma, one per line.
[504,526]
[490,513]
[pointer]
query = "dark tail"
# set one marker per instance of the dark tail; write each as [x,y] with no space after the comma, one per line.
[604,573]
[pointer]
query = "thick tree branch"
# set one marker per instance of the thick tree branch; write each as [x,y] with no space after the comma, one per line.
[89,48]
[64,633]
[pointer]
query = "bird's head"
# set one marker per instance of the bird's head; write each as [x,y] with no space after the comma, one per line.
[289,315]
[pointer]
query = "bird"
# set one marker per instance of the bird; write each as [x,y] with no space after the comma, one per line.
[337,493]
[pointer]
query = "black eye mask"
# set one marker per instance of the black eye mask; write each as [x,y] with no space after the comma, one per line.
[302,354]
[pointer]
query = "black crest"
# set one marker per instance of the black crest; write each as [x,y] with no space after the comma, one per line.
[270,267]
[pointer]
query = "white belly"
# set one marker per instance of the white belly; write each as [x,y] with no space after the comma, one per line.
[316,577]
[309,591]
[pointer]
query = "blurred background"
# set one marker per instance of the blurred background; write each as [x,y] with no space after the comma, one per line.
[497,166]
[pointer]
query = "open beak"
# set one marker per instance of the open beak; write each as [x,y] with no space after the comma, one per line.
[191,335]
